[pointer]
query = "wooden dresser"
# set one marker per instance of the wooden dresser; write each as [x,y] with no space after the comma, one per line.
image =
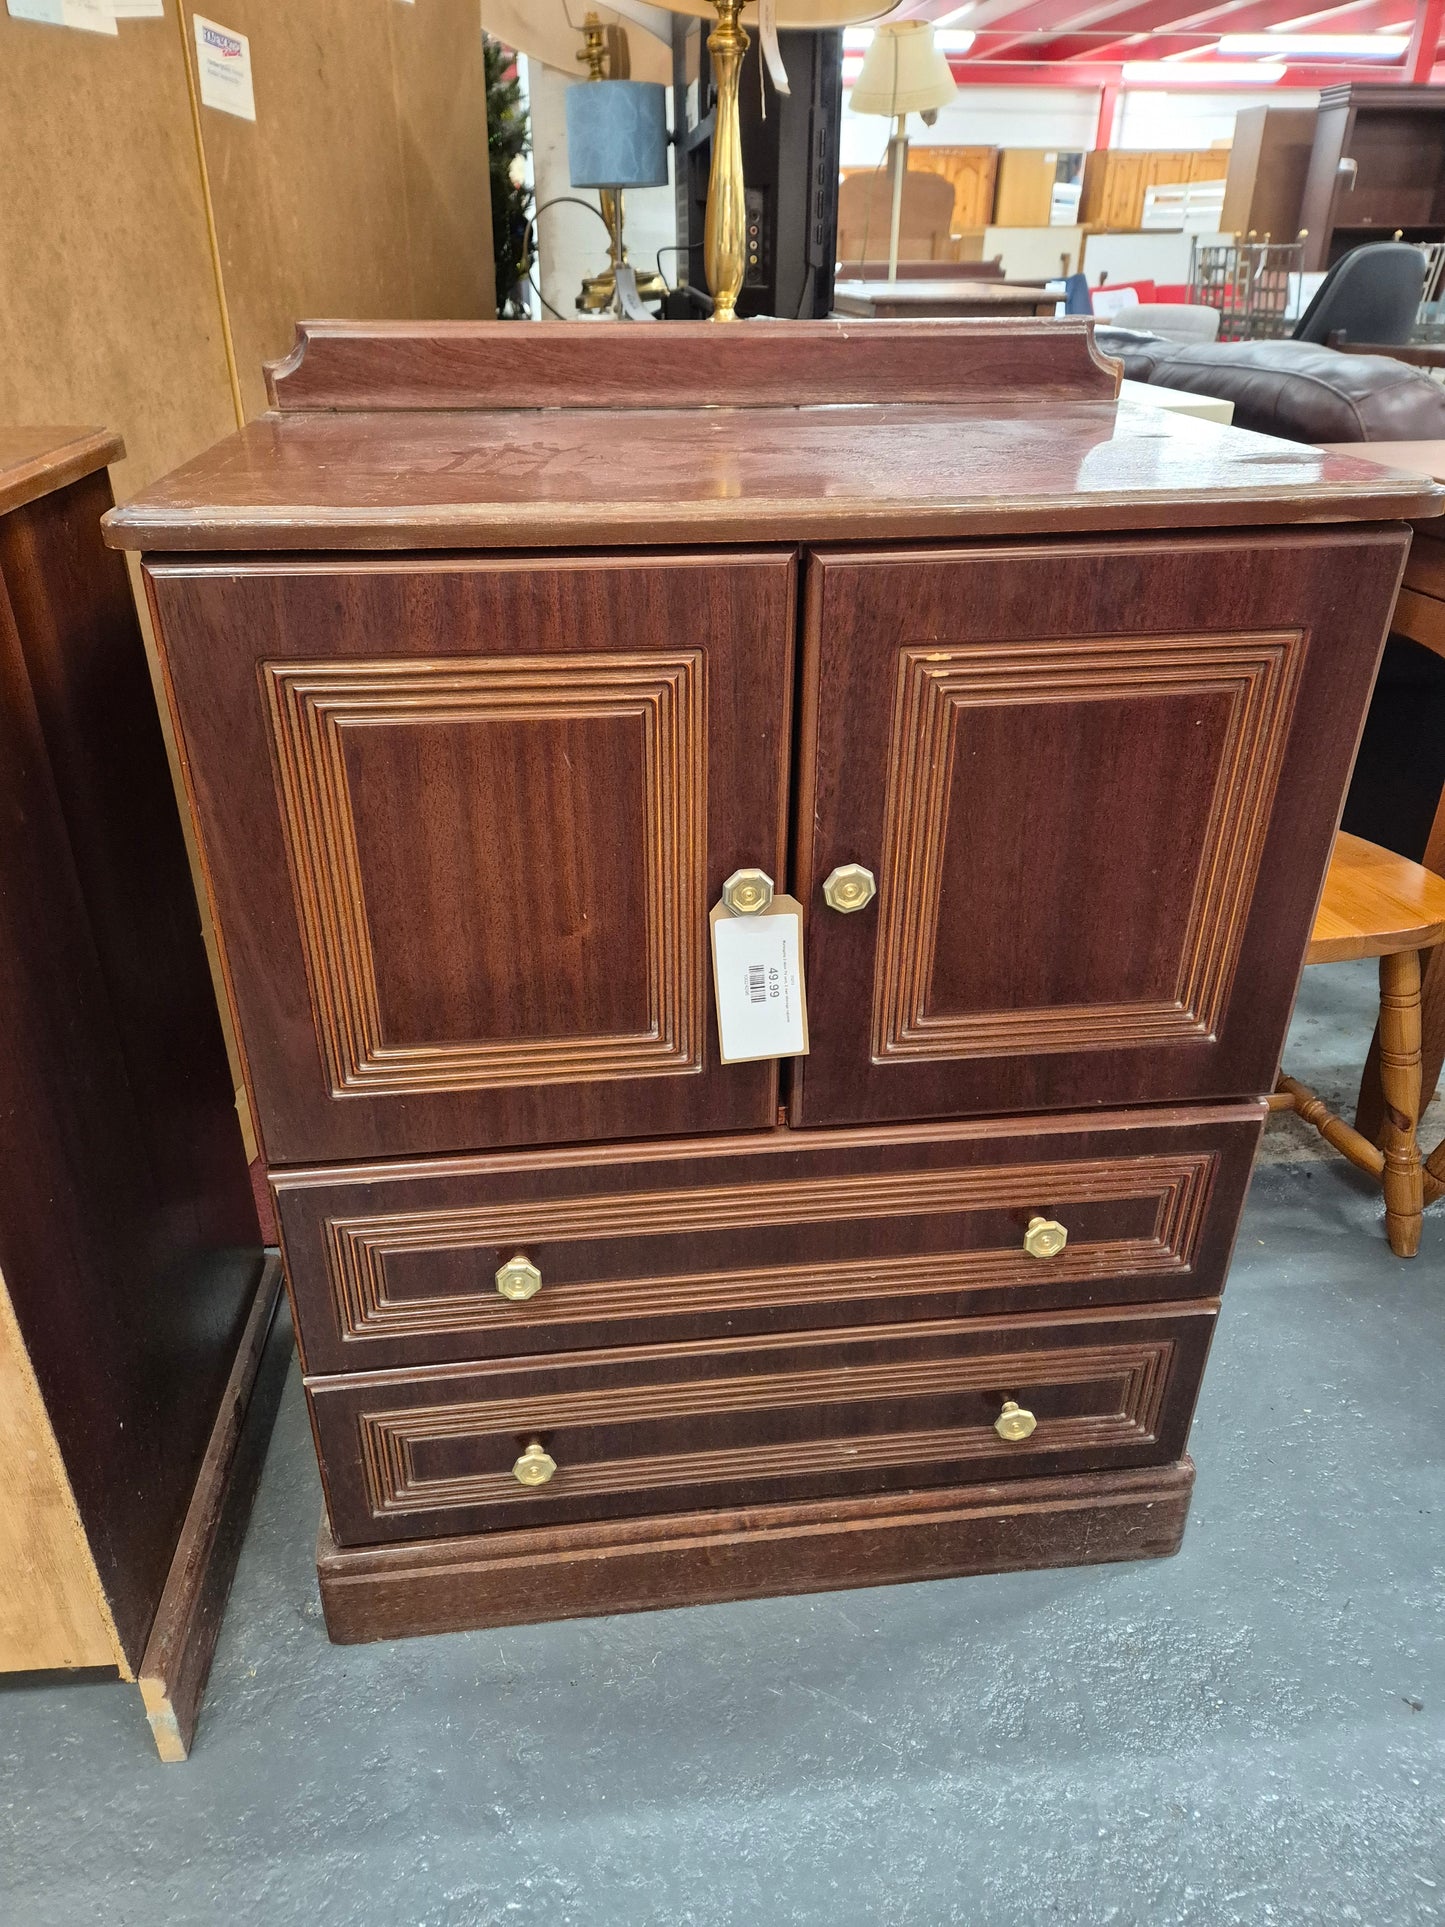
[495,652]
[141,1357]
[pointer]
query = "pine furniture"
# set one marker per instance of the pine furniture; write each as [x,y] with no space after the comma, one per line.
[1377,904]
[494,654]
[141,1357]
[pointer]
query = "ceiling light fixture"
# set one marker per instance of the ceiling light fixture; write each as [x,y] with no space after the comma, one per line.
[1220,75]
[1317,46]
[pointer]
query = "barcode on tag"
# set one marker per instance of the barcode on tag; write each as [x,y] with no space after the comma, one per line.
[758,971]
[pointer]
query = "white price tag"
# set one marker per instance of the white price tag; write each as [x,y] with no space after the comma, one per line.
[757,965]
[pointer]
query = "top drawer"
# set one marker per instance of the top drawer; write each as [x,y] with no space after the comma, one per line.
[397,1265]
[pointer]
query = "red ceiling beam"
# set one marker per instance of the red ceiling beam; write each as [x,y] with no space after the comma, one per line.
[1424,41]
[1099,73]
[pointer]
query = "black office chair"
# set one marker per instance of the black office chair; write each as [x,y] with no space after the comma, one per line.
[1370,294]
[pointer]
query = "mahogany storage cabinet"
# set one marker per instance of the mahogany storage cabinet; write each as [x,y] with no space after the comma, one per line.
[493,652]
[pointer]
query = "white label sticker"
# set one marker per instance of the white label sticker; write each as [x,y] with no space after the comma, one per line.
[90,16]
[223,67]
[758,973]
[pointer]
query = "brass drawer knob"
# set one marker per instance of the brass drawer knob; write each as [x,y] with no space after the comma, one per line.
[1014,1423]
[1045,1238]
[536,1465]
[747,893]
[848,888]
[518,1279]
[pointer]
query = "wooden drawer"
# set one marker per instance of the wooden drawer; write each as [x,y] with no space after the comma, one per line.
[674,1427]
[396,1265]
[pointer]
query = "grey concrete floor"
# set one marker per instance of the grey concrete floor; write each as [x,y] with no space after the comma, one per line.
[1253,1732]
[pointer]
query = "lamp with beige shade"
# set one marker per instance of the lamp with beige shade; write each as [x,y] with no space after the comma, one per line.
[903,73]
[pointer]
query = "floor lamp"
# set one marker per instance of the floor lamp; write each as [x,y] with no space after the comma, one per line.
[903,73]
[725,230]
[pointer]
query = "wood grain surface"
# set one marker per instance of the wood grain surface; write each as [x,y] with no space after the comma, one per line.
[518,1578]
[128,1238]
[463,831]
[687,364]
[755,1421]
[587,477]
[395,1264]
[1098,786]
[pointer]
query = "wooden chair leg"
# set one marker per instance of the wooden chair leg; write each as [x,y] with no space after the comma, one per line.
[1400,1089]
[1370,1104]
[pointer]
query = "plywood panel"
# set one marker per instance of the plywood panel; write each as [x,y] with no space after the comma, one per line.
[108,308]
[442,124]
[51,1609]
[344,196]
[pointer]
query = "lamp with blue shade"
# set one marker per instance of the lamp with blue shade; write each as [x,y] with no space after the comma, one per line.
[616,138]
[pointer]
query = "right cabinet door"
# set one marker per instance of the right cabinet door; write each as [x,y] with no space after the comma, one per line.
[1097,783]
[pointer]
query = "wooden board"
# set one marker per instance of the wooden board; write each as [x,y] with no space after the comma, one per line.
[114,318]
[639,1565]
[52,1610]
[360,188]
[178,1654]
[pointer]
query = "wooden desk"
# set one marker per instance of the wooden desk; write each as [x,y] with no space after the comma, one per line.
[1419,616]
[480,723]
[959,299]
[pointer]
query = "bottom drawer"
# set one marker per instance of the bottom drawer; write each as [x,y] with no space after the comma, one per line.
[671,1428]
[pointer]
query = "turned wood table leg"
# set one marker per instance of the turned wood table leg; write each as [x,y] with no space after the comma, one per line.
[1400,1086]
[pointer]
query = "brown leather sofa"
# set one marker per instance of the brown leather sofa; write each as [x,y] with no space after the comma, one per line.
[1292,388]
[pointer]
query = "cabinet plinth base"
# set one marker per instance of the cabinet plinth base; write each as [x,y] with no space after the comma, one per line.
[638,1565]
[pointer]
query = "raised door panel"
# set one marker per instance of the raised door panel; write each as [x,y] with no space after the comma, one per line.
[1097,784]
[463,823]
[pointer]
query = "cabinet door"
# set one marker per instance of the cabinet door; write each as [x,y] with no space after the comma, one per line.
[463,822]
[1097,783]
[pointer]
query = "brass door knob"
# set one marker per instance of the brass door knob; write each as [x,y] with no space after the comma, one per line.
[536,1465]
[1014,1423]
[518,1279]
[848,888]
[1045,1238]
[747,893]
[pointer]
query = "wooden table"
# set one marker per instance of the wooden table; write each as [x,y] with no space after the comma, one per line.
[910,300]
[1419,616]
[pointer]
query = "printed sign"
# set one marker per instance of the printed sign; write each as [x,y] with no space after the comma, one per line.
[223,68]
[90,16]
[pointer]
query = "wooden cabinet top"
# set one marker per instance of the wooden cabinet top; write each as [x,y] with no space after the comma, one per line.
[503,435]
[36,461]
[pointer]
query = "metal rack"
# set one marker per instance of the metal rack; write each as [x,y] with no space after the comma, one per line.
[1249,283]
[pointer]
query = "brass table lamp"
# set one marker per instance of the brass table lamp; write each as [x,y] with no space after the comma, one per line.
[725,230]
[552,31]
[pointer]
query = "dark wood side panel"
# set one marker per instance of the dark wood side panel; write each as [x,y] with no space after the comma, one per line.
[356,365]
[96,706]
[130,1287]
[755,1421]
[519,1578]
[463,822]
[1098,785]
[397,1264]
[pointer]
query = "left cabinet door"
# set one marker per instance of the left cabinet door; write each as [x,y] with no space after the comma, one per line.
[462,823]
